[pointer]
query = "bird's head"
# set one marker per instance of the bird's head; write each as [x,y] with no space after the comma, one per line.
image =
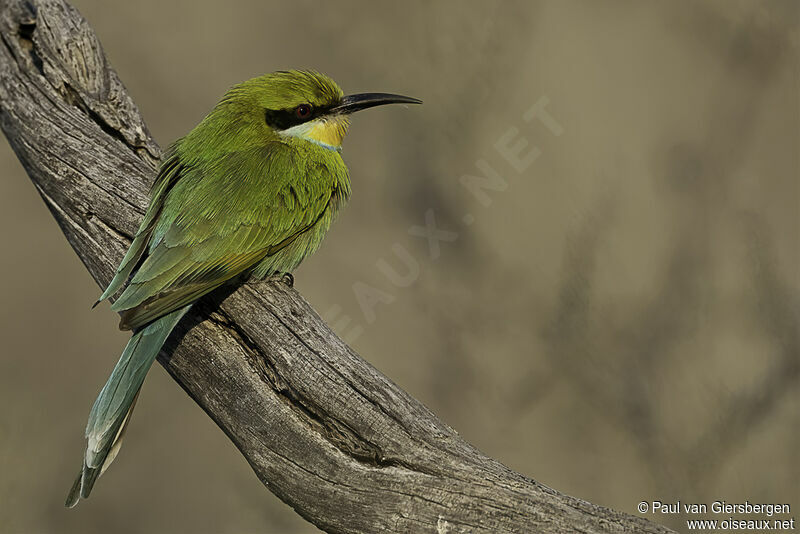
[294,105]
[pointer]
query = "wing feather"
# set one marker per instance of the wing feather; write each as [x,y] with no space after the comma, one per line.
[168,175]
[217,222]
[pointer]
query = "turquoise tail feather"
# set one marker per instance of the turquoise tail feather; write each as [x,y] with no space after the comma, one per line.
[111,411]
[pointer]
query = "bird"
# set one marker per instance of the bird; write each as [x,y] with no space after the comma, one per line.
[248,194]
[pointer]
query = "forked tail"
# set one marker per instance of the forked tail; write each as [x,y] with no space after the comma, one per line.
[112,409]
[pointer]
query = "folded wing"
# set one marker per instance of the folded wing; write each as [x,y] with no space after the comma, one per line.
[217,222]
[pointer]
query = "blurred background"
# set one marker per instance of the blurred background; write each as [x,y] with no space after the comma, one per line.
[618,319]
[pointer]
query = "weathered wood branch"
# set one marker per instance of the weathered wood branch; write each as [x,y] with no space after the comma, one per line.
[328,434]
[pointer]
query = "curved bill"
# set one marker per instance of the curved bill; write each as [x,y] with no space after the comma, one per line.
[353,103]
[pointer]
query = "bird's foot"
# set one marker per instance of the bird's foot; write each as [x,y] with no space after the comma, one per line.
[277,278]
[286,278]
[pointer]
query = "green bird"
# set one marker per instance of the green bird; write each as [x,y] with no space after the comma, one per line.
[249,193]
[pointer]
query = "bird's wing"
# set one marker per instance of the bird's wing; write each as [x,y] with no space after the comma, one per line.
[168,174]
[218,221]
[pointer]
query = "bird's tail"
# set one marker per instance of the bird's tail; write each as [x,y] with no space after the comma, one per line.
[112,409]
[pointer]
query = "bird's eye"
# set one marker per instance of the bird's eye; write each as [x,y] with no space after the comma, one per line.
[303,111]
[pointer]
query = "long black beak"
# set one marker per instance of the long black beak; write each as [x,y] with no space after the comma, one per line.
[353,103]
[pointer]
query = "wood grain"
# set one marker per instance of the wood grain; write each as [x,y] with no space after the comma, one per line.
[324,430]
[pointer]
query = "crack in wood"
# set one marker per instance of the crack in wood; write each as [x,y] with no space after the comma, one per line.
[334,431]
[370,492]
[73,97]
[25,36]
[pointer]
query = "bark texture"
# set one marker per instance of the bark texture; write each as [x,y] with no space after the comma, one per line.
[323,429]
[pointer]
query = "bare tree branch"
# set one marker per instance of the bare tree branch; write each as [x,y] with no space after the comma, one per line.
[327,433]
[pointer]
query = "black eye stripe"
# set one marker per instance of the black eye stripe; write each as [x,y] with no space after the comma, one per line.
[283,119]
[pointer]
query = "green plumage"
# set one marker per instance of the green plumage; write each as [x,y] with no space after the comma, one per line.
[233,197]
[111,410]
[260,210]
[250,192]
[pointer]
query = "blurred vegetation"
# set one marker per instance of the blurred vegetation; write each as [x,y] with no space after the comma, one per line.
[619,323]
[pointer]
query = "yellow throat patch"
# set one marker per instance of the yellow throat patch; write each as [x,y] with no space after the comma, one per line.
[328,132]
